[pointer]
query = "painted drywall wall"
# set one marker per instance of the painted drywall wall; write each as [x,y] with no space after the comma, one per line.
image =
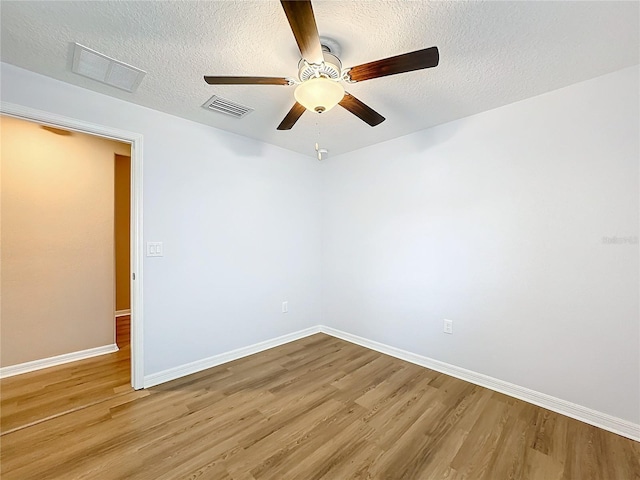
[57,242]
[506,223]
[239,220]
[495,221]
[122,230]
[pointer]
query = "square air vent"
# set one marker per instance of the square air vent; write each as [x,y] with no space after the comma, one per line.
[94,65]
[228,107]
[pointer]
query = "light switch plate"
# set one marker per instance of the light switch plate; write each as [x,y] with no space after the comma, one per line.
[154,249]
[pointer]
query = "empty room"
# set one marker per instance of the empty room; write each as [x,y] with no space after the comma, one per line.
[326,239]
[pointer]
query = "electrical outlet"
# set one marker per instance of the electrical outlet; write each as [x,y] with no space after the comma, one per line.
[448,326]
[285,307]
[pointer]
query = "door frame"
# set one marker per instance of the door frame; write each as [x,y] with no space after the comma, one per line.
[136,241]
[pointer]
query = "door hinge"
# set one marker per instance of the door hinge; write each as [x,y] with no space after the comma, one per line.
[134,276]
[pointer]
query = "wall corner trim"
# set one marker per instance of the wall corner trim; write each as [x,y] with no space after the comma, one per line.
[215,360]
[584,414]
[34,365]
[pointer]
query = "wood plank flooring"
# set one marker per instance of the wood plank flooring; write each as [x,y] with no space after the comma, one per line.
[315,408]
[32,397]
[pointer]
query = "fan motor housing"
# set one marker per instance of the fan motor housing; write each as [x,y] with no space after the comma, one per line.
[330,68]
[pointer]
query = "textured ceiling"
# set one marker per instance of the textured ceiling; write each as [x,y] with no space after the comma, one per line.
[491,54]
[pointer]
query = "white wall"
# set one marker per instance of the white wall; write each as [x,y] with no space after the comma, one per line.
[240,222]
[496,221]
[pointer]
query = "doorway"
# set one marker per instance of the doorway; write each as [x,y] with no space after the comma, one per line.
[135,240]
[122,236]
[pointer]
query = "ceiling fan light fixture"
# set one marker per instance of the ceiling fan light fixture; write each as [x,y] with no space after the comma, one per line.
[320,71]
[319,94]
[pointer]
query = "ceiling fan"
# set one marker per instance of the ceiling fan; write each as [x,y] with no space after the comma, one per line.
[320,72]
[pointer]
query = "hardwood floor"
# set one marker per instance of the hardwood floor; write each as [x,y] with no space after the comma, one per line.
[33,397]
[315,408]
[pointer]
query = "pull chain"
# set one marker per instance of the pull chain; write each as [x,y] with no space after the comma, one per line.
[321,151]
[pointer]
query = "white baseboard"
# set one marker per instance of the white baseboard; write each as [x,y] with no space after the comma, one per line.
[564,407]
[12,370]
[122,313]
[214,361]
[579,412]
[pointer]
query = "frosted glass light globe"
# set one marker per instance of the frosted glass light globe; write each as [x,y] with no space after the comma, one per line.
[319,94]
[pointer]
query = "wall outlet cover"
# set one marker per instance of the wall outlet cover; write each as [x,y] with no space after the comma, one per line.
[448,326]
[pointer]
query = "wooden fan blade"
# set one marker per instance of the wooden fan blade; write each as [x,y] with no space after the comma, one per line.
[361,110]
[246,80]
[303,26]
[407,62]
[292,117]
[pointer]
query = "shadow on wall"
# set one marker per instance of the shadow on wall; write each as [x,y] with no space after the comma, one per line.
[243,146]
[425,140]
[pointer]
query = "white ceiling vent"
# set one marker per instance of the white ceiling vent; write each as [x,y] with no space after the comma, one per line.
[94,65]
[228,107]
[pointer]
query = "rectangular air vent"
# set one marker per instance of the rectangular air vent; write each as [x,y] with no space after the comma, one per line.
[95,65]
[228,107]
